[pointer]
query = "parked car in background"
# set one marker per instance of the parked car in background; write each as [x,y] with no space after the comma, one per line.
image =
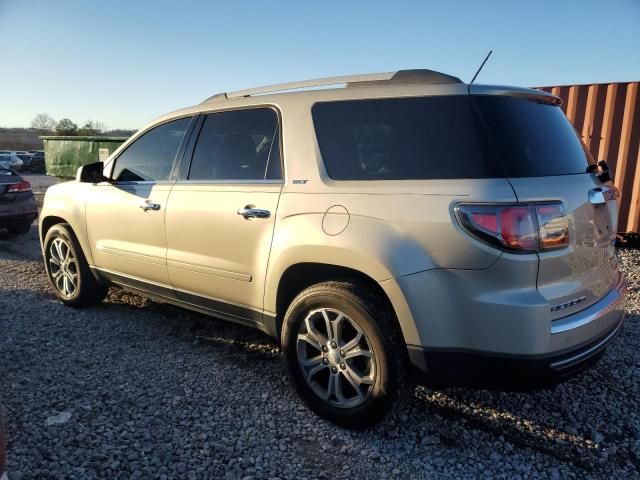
[18,207]
[37,162]
[26,159]
[413,227]
[9,159]
[3,445]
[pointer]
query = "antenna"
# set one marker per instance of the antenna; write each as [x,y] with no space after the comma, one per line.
[482,65]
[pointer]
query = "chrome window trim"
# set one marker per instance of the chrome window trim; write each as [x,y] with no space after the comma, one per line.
[229,182]
[133,183]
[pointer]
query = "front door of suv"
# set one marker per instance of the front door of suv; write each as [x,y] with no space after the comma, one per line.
[125,216]
[221,214]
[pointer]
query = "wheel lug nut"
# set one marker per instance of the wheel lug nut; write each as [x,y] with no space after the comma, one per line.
[343,366]
[342,354]
[325,360]
[325,349]
[334,344]
[334,369]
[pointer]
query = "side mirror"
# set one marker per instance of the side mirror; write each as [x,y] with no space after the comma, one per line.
[91,173]
[605,174]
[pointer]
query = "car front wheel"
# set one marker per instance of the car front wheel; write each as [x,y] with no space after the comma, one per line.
[68,271]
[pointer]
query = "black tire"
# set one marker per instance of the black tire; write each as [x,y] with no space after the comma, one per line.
[375,318]
[88,291]
[20,228]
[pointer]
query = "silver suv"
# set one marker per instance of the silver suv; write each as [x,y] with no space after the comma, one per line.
[403,227]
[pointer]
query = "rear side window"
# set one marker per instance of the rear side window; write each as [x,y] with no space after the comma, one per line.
[241,145]
[534,139]
[403,138]
[151,156]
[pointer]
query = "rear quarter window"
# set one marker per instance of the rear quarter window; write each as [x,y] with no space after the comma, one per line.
[534,139]
[403,139]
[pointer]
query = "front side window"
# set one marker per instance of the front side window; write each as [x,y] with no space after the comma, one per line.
[151,156]
[238,145]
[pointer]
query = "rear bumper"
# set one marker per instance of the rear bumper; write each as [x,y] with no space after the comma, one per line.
[475,369]
[573,343]
[18,211]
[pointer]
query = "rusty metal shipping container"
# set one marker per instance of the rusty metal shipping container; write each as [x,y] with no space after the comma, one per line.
[607,116]
[63,155]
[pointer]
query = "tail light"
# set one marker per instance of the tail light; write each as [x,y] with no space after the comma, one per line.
[517,228]
[23,186]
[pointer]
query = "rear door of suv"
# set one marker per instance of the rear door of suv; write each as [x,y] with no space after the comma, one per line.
[221,213]
[545,161]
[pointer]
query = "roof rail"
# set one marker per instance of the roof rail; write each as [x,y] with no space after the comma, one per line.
[217,96]
[367,79]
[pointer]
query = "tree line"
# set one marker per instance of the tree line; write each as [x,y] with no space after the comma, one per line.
[45,123]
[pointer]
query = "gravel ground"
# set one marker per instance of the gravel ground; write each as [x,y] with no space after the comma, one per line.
[138,389]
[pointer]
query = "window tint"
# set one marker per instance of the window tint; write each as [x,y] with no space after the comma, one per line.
[534,139]
[151,156]
[238,145]
[403,138]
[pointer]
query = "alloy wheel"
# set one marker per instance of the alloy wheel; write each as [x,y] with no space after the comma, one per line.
[336,358]
[63,267]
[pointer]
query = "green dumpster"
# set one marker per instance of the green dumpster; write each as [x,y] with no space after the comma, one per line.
[63,155]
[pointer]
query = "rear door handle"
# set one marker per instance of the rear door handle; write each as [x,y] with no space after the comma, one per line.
[251,212]
[149,205]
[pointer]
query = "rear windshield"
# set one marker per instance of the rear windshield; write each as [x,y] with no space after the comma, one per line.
[446,137]
[403,138]
[533,139]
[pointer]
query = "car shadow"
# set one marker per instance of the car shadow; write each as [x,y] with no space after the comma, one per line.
[195,327]
[20,247]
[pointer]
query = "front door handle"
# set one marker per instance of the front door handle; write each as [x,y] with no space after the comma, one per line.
[149,205]
[251,212]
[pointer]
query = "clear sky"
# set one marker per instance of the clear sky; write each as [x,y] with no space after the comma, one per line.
[124,62]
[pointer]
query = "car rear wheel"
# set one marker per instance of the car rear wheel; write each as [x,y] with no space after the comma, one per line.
[68,271]
[344,353]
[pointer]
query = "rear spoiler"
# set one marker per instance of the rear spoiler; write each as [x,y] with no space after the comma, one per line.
[518,92]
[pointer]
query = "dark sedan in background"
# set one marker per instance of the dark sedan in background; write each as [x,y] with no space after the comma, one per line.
[18,207]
